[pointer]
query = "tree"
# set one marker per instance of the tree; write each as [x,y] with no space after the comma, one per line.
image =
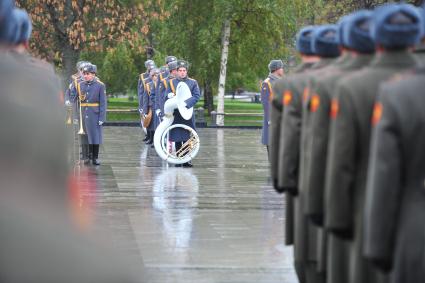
[118,70]
[65,28]
[223,69]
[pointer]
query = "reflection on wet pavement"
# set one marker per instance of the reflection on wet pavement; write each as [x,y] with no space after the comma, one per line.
[219,221]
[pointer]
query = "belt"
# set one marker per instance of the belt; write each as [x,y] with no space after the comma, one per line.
[89,104]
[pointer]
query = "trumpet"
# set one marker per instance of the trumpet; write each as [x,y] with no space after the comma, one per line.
[81,97]
[69,115]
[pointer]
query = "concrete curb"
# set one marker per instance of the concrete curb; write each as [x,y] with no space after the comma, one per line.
[198,125]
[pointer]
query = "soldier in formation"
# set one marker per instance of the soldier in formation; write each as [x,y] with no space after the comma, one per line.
[276,71]
[149,103]
[142,83]
[345,147]
[40,240]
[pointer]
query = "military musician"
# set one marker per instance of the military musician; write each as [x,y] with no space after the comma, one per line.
[276,71]
[90,93]
[141,88]
[178,135]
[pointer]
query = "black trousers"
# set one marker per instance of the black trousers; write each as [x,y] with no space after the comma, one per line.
[93,151]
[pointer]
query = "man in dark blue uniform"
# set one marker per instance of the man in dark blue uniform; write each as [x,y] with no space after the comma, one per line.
[72,104]
[161,87]
[276,71]
[178,135]
[149,97]
[90,92]
[141,88]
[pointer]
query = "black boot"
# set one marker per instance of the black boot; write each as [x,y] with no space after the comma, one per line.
[178,146]
[150,140]
[146,137]
[85,153]
[188,164]
[95,159]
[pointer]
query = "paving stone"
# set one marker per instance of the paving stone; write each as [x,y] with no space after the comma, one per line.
[220,221]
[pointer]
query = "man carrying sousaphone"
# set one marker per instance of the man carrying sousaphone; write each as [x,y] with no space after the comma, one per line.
[179,135]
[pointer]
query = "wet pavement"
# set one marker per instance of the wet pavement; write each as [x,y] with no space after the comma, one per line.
[219,221]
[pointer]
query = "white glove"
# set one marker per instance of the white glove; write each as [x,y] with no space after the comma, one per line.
[67,103]
[140,111]
[170,95]
[158,112]
[100,123]
[75,121]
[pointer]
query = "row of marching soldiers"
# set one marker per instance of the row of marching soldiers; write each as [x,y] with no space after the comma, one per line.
[347,139]
[157,85]
[41,214]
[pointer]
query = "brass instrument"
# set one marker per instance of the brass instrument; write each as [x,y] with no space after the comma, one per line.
[81,97]
[190,148]
[69,115]
[146,121]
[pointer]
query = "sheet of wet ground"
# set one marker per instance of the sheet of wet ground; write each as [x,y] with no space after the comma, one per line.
[220,221]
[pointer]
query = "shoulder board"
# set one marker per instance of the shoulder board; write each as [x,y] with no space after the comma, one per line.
[99,81]
[401,76]
[267,80]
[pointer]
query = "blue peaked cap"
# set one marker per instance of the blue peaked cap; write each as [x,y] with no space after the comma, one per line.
[357,32]
[389,32]
[15,27]
[6,7]
[341,30]
[325,41]
[25,26]
[304,39]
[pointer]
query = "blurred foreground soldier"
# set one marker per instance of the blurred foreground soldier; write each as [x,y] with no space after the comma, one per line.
[38,240]
[276,71]
[20,46]
[395,210]
[290,178]
[280,87]
[144,79]
[179,135]
[420,47]
[395,29]
[90,93]
[358,44]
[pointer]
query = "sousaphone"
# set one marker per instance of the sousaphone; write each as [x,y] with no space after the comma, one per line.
[190,148]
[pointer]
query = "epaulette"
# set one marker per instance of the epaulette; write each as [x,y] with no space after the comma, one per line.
[402,76]
[191,79]
[99,81]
